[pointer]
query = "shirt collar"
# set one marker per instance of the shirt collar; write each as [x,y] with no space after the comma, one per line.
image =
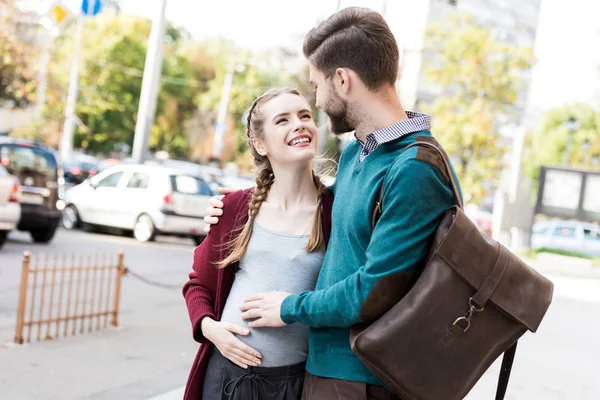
[416,122]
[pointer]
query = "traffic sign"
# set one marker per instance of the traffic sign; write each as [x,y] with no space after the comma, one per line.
[91,7]
[58,13]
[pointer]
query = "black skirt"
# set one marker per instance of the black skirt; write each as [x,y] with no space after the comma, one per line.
[226,381]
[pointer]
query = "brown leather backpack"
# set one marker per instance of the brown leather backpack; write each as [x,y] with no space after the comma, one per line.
[472,301]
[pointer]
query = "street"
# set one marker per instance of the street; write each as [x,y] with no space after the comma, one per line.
[150,354]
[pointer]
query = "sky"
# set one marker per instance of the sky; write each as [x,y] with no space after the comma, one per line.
[567,48]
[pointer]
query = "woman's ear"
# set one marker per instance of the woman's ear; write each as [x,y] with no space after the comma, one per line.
[260,147]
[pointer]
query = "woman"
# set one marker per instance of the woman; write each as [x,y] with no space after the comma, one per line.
[273,238]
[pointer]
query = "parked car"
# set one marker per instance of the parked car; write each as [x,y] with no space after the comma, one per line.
[38,173]
[572,236]
[148,200]
[78,168]
[211,175]
[10,209]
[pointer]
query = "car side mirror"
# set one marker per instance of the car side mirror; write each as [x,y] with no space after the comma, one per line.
[93,183]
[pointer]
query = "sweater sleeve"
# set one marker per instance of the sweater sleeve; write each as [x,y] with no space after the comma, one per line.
[399,243]
[200,290]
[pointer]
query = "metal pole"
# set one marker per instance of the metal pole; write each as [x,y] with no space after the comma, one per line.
[22,298]
[150,85]
[117,299]
[221,123]
[568,149]
[66,144]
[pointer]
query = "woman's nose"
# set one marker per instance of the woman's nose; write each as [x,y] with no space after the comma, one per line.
[298,125]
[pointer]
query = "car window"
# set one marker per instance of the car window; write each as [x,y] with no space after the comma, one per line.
[186,184]
[564,232]
[138,181]
[593,235]
[33,166]
[111,181]
[540,229]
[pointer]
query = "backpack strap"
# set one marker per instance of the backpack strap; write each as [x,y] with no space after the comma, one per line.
[507,363]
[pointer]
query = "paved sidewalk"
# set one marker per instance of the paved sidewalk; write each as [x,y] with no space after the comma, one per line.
[554,264]
[151,354]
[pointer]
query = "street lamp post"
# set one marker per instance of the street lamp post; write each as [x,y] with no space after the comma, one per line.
[572,125]
[150,85]
[586,148]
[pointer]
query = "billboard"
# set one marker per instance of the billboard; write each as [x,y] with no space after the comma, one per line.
[569,193]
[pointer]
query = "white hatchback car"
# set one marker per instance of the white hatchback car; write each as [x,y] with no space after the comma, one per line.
[10,209]
[148,200]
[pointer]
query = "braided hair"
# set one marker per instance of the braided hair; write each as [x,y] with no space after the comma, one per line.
[264,180]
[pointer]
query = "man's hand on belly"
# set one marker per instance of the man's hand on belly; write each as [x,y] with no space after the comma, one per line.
[264,308]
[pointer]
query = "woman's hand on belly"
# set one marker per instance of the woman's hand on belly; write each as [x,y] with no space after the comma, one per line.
[222,335]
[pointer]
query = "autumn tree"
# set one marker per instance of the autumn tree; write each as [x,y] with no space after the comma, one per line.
[478,80]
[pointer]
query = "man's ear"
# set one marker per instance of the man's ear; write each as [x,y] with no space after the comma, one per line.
[342,80]
[260,147]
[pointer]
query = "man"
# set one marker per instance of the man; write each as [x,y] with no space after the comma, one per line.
[354,61]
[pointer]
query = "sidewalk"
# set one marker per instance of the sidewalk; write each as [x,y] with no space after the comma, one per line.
[151,354]
[554,264]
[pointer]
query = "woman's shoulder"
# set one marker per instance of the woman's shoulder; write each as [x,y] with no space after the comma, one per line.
[238,199]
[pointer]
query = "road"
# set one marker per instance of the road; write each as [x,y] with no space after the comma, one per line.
[149,355]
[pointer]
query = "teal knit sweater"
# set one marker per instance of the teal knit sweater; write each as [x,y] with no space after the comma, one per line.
[415,197]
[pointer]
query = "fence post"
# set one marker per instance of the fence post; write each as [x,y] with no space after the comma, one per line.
[22,298]
[120,273]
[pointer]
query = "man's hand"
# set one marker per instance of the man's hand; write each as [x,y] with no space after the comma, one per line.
[216,208]
[266,307]
[222,335]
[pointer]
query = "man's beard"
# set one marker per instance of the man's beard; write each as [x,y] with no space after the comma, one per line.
[337,111]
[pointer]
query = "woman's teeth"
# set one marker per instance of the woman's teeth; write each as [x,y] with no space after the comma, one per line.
[299,141]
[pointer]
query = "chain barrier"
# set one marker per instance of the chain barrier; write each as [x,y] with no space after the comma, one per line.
[152,283]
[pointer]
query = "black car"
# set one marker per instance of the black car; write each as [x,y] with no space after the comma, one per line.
[37,170]
[77,171]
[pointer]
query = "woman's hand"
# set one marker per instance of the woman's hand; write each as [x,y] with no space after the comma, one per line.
[216,209]
[222,335]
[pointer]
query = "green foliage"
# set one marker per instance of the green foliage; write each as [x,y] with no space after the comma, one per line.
[113,59]
[546,146]
[480,79]
[17,57]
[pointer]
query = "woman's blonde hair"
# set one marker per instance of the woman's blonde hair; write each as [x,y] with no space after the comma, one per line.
[264,180]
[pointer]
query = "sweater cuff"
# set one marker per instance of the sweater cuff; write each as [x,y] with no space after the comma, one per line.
[287,310]
[197,326]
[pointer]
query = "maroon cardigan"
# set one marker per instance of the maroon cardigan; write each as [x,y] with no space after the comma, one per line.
[208,287]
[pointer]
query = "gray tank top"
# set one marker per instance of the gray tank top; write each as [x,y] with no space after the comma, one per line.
[274,262]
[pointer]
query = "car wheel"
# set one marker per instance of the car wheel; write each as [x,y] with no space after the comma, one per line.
[43,236]
[3,236]
[198,239]
[144,229]
[70,217]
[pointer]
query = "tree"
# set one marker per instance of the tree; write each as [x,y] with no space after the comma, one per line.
[17,56]
[547,145]
[113,59]
[480,80]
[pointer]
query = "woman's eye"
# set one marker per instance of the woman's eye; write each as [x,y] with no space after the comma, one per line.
[307,116]
[281,120]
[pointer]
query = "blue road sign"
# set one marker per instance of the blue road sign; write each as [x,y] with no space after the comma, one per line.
[91,7]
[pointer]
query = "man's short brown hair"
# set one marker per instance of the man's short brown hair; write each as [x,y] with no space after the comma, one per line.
[355,38]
